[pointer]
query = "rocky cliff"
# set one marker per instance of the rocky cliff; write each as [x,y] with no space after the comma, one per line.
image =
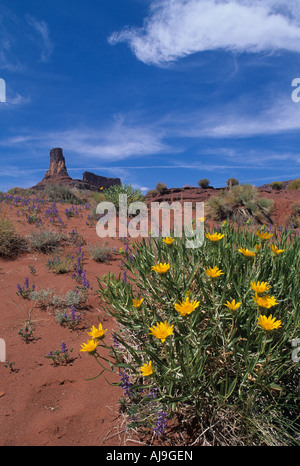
[57,174]
[99,181]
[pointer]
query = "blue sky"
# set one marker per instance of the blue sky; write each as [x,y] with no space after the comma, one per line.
[150,90]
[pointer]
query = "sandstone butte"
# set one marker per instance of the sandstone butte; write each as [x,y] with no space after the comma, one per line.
[57,174]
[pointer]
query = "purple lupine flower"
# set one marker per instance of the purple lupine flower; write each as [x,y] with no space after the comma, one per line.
[161,423]
[125,383]
[26,283]
[116,344]
[63,347]
[19,288]
[72,313]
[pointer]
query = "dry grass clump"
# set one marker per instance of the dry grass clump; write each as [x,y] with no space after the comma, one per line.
[11,244]
[240,203]
[45,240]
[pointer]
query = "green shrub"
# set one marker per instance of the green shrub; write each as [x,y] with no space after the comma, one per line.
[217,372]
[101,252]
[232,182]
[62,194]
[133,194]
[11,244]
[46,299]
[45,240]
[276,185]
[230,204]
[204,183]
[295,184]
[160,186]
[98,197]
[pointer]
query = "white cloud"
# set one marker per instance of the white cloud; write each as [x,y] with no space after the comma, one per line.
[177,28]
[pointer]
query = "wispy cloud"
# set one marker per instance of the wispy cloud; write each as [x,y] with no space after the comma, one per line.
[239,119]
[19,36]
[117,141]
[42,29]
[177,28]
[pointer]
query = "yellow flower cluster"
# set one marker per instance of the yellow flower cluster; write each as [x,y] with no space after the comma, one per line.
[96,334]
[265,301]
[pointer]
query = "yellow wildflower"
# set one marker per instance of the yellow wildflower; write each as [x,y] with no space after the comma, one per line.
[213,273]
[186,307]
[265,301]
[162,330]
[276,250]
[201,219]
[260,287]
[137,302]
[147,369]
[214,237]
[246,252]
[269,323]
[168,240]
[258,247]
[264,235]
[233,306]
[90,346]
[97,333]
[161,268]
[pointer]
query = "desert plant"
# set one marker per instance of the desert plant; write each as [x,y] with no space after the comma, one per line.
[61,356]
[203,183]
[60,265]
[160,186]
[46,299]
[101,252]
[232,182]
[11,244]
[133,194]
[62,194]
[70,320]
[294,218]
[45,240]
[276,185]
[210,330]
[240,203]
[295,184]
[27,332]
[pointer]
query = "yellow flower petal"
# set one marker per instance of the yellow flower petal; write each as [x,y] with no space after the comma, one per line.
[233,306]
[97,332]
[214,237]
[213,273]
[186,307]
[162,330]
[137,302]
[269,323]
[147,369]
[161,268]
[90,346]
